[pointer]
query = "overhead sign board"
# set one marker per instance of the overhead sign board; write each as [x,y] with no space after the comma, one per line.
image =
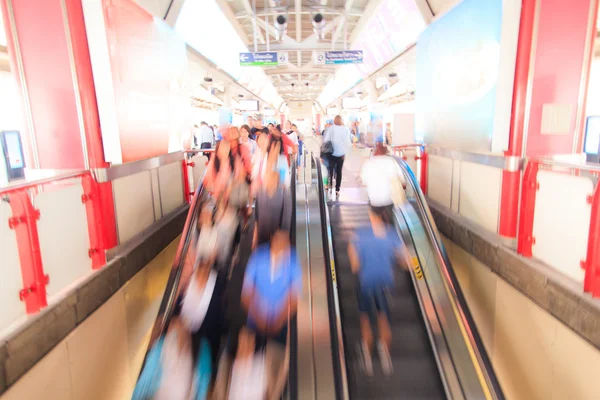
[265,58]
[338,57]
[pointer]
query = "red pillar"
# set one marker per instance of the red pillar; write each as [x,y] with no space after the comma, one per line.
[511,180]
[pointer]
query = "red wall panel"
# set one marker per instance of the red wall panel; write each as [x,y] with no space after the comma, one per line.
[560,48]
[48,74]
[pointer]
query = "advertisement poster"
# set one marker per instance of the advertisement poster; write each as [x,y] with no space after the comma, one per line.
[149,64]
[458,58]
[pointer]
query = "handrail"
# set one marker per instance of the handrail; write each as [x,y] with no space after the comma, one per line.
[43,181]
[335,322]
[595,168]
[473,338]
[293,323]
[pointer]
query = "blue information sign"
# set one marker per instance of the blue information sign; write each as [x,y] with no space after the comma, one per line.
[258,59]
[344,57]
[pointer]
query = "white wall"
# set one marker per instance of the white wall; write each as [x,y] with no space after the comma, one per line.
[534,355]
[102,357]
[301,110]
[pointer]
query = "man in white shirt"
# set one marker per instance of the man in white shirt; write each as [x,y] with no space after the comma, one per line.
[382,176]
[205,138]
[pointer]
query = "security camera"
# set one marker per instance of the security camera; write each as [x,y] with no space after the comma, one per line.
[307,84]
[280,25]
[318,23]
[208,79]
[293,84]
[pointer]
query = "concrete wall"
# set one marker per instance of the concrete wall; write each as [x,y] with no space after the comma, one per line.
[101,358]
[534,355]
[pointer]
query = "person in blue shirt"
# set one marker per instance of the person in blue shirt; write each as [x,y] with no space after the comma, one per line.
[374,252]
[272,288]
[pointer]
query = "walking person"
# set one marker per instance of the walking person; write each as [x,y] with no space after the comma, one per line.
[339,136]
[385,182]
[373,253]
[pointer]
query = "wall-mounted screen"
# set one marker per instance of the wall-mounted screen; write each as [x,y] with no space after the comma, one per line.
[592,135]
[248,105]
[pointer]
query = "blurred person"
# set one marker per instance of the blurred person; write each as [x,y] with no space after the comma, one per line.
[272,288]
[200,308]
[195,135]
[373,253]
[219,171]
[168,373]
[205,137]
[291,134]
[273,209]
[270,127]
[339,136]
[300,143]
[239,151]
[258,127]
[287,145]
[259,161]
[245,139]
[388,134]
[277,161]
[226,224]
[206,245]
[248,379]
[385,182]
[250,121]
[217,133]
[240,196]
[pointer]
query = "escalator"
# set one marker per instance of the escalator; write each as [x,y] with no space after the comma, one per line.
[235,316]
[436,350]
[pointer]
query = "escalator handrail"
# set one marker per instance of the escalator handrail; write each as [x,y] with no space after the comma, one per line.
[166,308]
[333,304]
[473,336]
[293,323]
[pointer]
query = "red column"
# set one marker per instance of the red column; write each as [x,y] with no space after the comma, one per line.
[511,180]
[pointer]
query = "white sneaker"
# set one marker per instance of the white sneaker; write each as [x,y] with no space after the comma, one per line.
[384,357]
[367,363]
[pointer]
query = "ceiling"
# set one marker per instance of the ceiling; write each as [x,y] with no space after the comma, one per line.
[300,80]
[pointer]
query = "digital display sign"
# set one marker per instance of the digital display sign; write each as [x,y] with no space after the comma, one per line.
[248,105]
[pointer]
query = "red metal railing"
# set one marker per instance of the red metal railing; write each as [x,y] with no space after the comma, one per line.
[420,157]
[526,238]
[24,222]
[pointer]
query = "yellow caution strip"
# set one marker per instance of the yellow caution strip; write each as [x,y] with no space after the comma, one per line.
[417,268]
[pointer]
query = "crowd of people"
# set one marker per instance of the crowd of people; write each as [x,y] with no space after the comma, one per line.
[221,347]
[208,350]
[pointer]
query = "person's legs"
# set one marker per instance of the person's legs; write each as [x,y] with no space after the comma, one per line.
[338,172]
[365,304]
[330,171]
[206,145]
[385,331]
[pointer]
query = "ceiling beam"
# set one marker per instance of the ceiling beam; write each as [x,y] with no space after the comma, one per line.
[307,69]
[250,13]
[298,9]
[236,25]
[262,12]
[368,13]
[338,31]
[425,10]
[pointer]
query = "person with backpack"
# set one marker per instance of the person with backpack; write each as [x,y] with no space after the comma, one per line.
[339,137]
[273,208]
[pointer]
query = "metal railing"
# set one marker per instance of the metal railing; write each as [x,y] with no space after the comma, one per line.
[333,302]
[485,374]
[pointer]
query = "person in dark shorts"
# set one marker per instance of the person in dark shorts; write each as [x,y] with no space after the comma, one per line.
[374,252]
